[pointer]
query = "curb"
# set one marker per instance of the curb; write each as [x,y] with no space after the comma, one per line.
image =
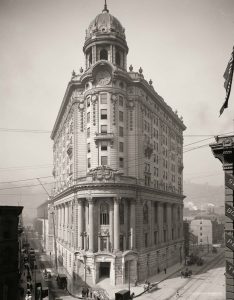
[173,273]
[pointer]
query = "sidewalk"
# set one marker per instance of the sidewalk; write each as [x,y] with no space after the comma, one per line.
[104,287]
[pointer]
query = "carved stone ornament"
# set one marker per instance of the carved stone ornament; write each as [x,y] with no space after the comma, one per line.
[114,97]
[104,173]
[77,95]
[94,98]
[227,142]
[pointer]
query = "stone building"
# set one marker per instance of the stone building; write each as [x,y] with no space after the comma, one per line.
[118,167]
[203,230]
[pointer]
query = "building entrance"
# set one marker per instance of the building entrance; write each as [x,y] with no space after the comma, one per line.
[104,269]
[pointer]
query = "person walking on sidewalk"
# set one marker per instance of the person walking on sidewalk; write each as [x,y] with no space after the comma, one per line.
[165,270]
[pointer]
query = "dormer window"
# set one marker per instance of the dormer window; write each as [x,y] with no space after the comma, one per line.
[104,54]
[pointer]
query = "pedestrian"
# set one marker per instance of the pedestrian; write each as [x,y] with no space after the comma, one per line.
[165,270]
[135,281]
[90,293]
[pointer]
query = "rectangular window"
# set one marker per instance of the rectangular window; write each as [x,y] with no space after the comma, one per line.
[88,147]
[146,239]
[89,162]
[88,102]
[155,213]
[88,132]
[120,101]
[103,160]
[121,147]
[104,145]
[120,116]
[103,128]
[88,117]
[103,98]
[121,162]
[164,236]
[103,114]
[155,237]
[121,131]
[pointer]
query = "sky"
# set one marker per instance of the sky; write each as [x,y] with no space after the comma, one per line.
[182,45]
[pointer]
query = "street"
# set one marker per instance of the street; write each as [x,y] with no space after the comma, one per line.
[209,284]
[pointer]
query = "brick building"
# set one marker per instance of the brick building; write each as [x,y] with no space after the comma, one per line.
[118,167]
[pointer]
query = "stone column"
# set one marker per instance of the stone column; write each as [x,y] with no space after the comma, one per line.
[108,241]
[169,222]
[116,224]
[99,241]
[111,226]
[133,223]
[80,223]
[91,228]
[160,222]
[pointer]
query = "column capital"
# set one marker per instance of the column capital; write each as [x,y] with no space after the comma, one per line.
[117,200]
[90,200]
[80,201]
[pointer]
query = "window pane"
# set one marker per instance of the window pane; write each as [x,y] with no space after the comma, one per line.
[103,160]
[121,162]
[121,147]
[121,116]
[88,147]
[104,114]
[120,101]
[88,132]
[103,128]
[120,131]
[104,145]
[88,117]
[89,162]
[103,98]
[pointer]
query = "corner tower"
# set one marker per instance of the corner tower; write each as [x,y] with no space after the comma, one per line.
[105,40]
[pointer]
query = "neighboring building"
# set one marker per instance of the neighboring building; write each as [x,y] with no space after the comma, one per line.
[10,231]
[203,230]
[118,167]
[43,225]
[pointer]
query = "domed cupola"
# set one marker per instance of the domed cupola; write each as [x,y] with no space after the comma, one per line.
[105,40]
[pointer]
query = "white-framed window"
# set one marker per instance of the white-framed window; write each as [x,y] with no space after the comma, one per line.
[104,145]
[103,128]
[103,114]
[121,116]
[103,98]
[121,146]
[104,160]
[121,162]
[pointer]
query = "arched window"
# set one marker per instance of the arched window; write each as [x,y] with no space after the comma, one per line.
[104,54]
[117,58]
[145,214]
[104,214]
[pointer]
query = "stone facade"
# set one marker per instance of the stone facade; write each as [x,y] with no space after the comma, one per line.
[118,167]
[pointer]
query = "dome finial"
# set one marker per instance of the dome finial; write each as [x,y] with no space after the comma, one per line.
[105,8]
